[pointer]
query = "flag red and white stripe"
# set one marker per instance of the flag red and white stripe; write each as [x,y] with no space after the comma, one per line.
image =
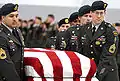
[54,65]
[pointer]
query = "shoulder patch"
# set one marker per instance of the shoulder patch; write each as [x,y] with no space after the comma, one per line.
[108,24]
[112,48]
[115,33]
[2,54]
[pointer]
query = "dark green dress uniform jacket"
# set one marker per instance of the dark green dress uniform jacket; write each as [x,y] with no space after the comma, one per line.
[102,48]
[11,55]
[72,34]
[61,41]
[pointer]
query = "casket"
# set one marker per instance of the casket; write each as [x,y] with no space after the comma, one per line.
[54,65]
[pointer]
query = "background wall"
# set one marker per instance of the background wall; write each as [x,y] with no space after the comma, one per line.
[60,8]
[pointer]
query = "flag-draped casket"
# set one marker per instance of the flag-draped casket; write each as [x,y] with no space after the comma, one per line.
[54,65]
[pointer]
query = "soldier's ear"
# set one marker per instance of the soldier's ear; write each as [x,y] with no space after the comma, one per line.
[79,18]
[2,18]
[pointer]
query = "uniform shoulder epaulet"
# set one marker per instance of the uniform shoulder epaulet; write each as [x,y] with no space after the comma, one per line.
[1,29]
[108,24]
[110,27]
[71,27]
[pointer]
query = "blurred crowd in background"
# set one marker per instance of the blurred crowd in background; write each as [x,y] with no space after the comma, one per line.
[42,34]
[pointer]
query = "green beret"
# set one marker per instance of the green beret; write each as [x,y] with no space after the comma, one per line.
[98,5]
[63,21]
[84,10]
[73,16]
[8,8]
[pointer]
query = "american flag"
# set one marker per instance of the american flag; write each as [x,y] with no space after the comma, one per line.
[55,65]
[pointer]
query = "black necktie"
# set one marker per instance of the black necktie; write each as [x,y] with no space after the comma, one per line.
[15,33]
[93,30]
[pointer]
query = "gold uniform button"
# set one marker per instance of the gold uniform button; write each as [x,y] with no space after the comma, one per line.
[61,48]
[100,45]
[13,49]
[3,78]
[72,43]
[62,38]
[93,58]
[112,69]
[22,62]
[91,52]
[91,46]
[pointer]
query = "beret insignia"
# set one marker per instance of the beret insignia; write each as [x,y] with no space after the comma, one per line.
[16,7]
[66,21]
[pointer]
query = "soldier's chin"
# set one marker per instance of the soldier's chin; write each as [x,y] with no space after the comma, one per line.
[14,26]
[98,22]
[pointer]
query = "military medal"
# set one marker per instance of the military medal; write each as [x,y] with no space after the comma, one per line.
[115,33]
[103,42]
[97,42]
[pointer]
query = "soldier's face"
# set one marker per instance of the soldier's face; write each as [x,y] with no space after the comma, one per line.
[86,18]
[49,19]
[98,16]
[75,22]
[64,27]
[37,21]
[11,20]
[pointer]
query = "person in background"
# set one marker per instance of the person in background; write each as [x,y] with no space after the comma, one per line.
[99,41]
[11,44]
[117,27]
[37,21]
[20,24]
[33,31]
[51,25]
[30,24]
[24,28]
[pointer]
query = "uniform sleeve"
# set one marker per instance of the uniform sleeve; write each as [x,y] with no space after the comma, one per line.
[107,61]
[109,50]
[7,68]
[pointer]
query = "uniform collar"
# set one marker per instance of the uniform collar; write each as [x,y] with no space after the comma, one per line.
[96,26]
[7,27]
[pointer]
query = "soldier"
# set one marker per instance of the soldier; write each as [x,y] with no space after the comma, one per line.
[63,25]
[73,32]
[99,41]
[117,27]
[11,44]
[73,19]
[84,15]
[24,28]
[51,25]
